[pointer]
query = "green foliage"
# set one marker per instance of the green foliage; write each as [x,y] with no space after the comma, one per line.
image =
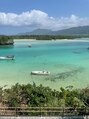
[84,95]
[39,96]
[9,39]
[45,37]
[6,40]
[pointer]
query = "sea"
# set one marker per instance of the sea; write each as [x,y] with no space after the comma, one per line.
[66,60]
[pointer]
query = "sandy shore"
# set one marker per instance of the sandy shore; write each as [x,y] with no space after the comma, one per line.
[24,40]
[63,40]
[76,40]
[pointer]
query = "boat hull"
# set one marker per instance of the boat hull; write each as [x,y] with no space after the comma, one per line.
[6,58]
[40,73]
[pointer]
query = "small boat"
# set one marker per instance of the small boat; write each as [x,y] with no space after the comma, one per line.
[88,48]
[9,57]
[40,73]
[29,45]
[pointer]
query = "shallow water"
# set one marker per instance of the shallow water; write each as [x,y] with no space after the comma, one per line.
[68,62]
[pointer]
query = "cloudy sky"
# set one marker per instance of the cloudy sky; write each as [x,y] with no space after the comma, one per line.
[17,16]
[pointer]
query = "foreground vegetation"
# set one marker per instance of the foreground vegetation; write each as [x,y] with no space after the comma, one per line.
[39,96]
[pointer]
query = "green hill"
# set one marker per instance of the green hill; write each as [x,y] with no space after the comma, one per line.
[81,30]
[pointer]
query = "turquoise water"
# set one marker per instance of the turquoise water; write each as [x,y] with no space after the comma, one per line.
[68,62]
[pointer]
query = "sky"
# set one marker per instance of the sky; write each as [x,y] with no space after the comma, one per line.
[19,16]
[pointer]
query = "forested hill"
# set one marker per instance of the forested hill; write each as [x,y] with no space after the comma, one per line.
[82,30]
[38,32]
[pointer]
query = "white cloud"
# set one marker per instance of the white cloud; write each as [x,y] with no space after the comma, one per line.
[39,19]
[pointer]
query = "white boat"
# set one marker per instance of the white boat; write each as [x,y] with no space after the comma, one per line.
[40,73]
[7,58]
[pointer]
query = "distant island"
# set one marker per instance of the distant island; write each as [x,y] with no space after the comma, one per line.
[46,34]
[48,37]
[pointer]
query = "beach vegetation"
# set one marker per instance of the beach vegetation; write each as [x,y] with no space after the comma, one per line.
[6,40]
[40,96]
[45,37]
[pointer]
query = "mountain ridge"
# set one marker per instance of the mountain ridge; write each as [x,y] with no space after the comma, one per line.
[81,30]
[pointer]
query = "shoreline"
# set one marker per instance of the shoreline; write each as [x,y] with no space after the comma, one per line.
[24,40]
[67,40]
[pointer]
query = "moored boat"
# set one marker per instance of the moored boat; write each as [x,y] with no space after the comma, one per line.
[29,45]
[40,73]
[9,57]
